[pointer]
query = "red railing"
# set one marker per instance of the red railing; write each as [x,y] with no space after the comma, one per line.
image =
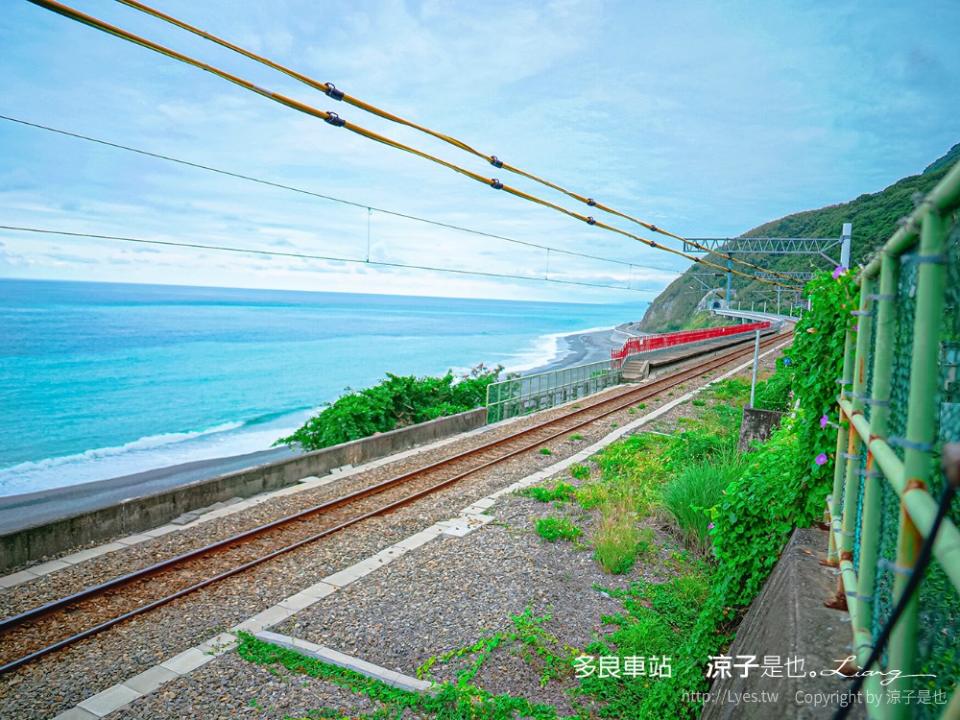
[658,342]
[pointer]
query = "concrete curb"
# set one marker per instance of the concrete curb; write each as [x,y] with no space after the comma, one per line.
[334,657]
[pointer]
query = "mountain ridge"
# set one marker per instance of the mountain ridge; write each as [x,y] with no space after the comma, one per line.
[874,217]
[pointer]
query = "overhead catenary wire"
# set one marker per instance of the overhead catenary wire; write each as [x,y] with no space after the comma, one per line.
[331,198]
[311,256]
[332,91]
[334,119]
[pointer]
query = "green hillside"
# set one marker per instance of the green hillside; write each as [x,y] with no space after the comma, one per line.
[874,217]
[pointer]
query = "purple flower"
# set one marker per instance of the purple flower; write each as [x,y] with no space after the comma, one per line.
[838,271]
[856,328]
[824,421]
[710,526]
[821,459]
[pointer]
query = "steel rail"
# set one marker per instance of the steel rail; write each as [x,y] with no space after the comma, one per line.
[620,402]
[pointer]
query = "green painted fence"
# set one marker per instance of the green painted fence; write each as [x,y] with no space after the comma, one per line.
[899,404]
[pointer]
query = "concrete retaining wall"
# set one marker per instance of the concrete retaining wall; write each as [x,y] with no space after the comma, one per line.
[142,513]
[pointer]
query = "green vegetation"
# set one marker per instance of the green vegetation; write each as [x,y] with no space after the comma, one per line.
[654,622]
[576,436]
[618,541]
[579,472]
[552,529]
[873,215]
[560,492]
[459,701]
[693,491]
[546,451]
[537,647]
[395,402]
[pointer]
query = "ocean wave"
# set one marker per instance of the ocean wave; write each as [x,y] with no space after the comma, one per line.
[546,349]
[150,442]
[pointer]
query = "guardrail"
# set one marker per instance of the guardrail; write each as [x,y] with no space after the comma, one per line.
[529,393]
[682,337]
[899,404]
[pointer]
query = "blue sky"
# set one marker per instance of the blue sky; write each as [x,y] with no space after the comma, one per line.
[705,118]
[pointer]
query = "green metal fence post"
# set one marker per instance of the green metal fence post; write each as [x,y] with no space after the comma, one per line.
[839,466]
[921,429]
[883,346]
[851,485]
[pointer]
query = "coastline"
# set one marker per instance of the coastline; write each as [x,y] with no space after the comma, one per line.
[577,348]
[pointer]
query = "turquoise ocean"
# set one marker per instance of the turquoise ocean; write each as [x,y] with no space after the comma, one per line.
[99,380]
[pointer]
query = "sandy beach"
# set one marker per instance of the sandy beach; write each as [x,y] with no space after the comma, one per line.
[587,347]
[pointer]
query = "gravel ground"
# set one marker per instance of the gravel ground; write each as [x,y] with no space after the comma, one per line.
[505,587]
[230,687]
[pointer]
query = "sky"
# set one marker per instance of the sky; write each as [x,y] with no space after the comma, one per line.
[706,118]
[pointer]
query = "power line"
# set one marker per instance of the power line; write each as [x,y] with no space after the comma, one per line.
[322,196]
[335,93]
[309,256]
[335,120]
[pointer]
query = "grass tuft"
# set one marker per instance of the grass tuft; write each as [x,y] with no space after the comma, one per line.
[695,489]
[618,541]
[553,528]
[560,492]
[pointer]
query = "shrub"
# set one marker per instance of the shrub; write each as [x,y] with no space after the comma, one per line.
[397,401]
[552,529]
[774,392]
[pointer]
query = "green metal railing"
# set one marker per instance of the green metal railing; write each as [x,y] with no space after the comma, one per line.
[899,403]
[529,393]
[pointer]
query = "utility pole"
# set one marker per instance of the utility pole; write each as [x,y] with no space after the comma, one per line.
[846,240]
[756,361]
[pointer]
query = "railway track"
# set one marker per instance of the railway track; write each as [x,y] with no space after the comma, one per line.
[52,626]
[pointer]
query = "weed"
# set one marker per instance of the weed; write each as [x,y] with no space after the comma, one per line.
[641,406]
[695,489]
[697,402]
[553,528]
[546,451]
[561,491]
[617,540]
[576,436]
[579,472]
[460,701]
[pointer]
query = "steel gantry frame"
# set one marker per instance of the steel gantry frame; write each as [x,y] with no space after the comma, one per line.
[774,246]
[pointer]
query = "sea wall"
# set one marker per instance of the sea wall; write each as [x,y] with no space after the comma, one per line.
[137,514]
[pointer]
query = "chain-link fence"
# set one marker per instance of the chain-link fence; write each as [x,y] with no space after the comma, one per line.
[900,403]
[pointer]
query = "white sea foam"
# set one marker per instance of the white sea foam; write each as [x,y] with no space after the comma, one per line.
[546,349]
[147,453]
